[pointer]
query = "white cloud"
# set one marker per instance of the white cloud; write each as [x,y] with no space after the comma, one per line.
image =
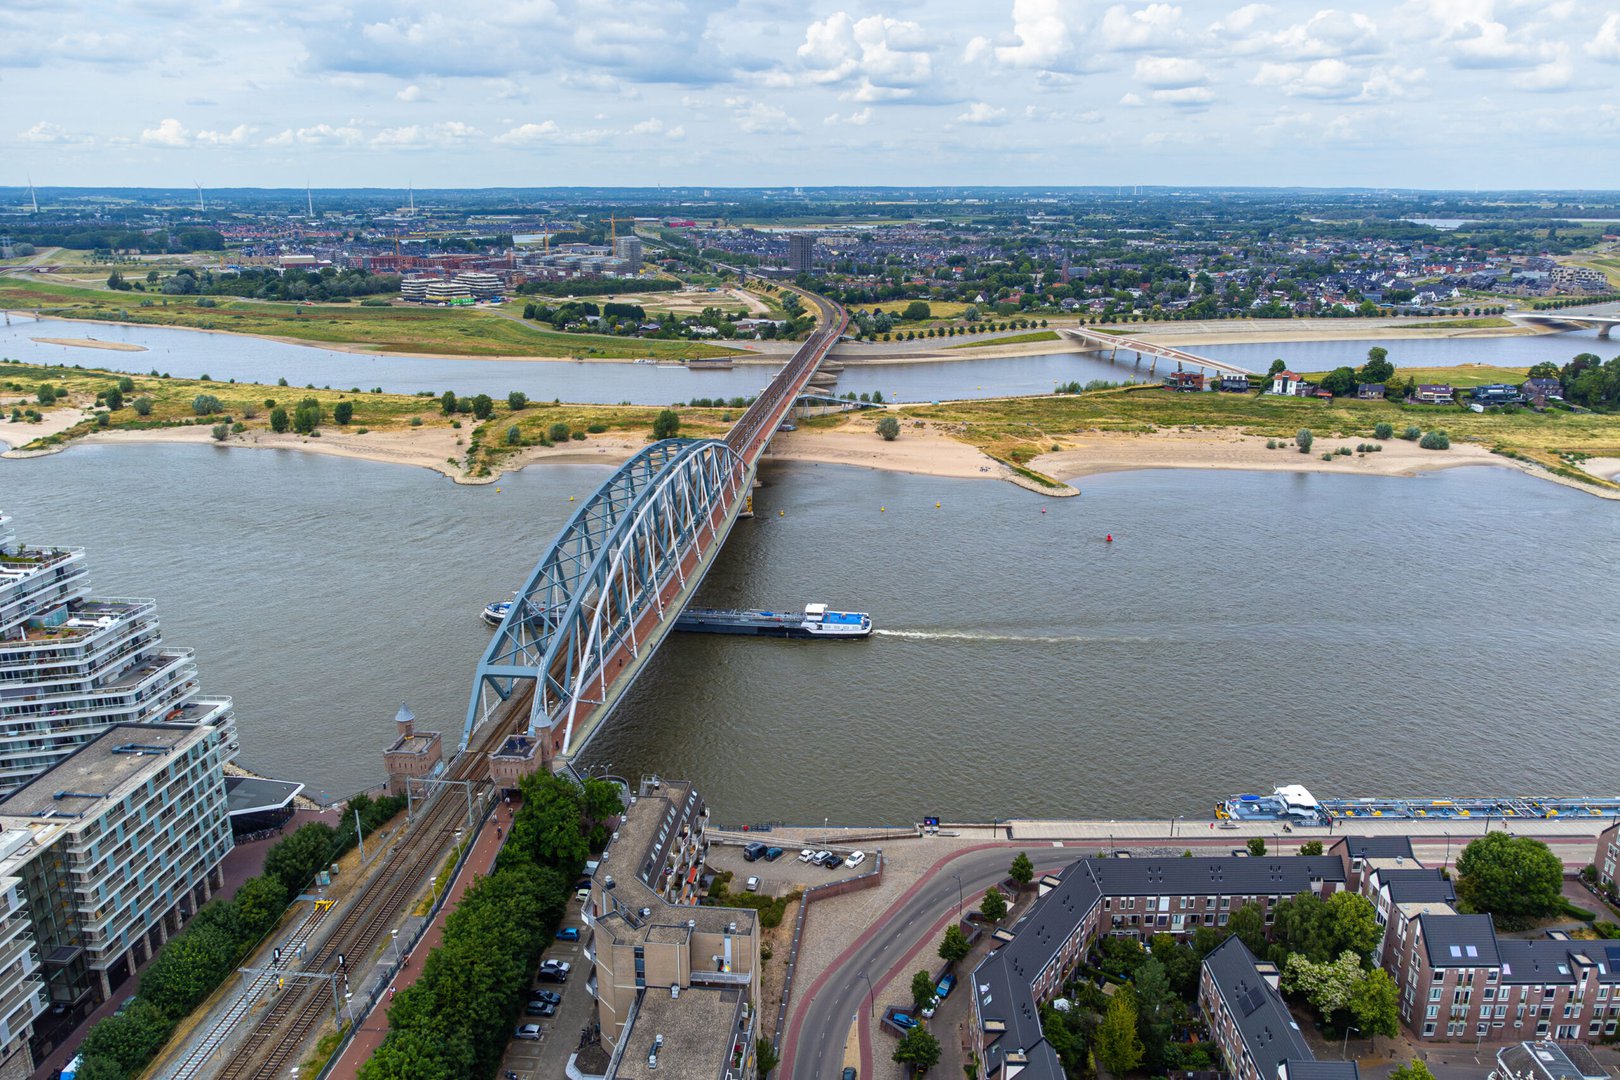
[984,114]
[237,136]
[757,117]
[411,93]
[169,133]
[1060,116]
[1557,73]
[47,132]
[319,135]
[425,136]
[1186,97]
[1047,32]
[1476,38]
[856,119]
[1170,72]
[1606,45]
[885,58]
[1323,79]
[530,134]
[1152,27]
[1132,101]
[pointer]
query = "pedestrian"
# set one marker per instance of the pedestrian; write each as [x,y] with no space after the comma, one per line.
[390,993]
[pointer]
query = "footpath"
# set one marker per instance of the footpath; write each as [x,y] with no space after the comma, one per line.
[374,1028]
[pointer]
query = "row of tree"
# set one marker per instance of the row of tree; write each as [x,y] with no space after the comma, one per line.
[206,953]
[456,1019]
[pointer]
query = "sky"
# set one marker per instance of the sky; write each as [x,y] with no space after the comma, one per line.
[349,93]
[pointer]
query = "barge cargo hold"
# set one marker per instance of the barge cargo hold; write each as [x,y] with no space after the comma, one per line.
[1293,803]
[814,622]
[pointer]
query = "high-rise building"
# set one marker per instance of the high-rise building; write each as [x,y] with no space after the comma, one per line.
[101,858]
[802,253]
[73,665]
[628,250]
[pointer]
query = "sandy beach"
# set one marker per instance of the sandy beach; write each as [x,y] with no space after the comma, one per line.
[90,343]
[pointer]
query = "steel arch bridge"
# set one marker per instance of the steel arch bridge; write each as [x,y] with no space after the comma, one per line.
[607,590]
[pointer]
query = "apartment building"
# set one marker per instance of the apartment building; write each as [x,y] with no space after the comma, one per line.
[22,984]
[1251,1024]
[662,966]
[1607,856]
[629,250]
[1131,897]
[72,665]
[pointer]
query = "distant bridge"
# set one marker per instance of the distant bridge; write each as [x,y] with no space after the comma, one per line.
[606,591]
[1570,320]
[1097,341]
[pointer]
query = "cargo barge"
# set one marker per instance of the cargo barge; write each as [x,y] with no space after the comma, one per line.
[816,621]
[1293,803]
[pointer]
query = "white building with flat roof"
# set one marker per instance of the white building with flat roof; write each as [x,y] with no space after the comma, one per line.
[72,665]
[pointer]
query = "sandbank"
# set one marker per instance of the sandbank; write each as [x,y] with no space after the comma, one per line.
[90,343]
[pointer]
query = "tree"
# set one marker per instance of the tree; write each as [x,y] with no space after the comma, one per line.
[448,403]
[295,859]
[889,428]
[307,416]
[916,311]
[516,400]
[278,418]
[1022,870]
[765,1058]
[922,991]
[1311,847]
[1118,1046]
[1257,846]
[482,407]
[514,436]
[1514,878]
[1304,438]
[1181,963]
[919,1049]
[1415,1071]
[1297,929]
[206,405]
[1351,924]
[1340,381]
[1157,1010]
[114,399]
[259,904]
[1377,369]
[142,406]
[343,412]
[1325,984]
[994,905]
[667,424]
[1248,925]
[954,946]
[1544,370]
[1375,1003]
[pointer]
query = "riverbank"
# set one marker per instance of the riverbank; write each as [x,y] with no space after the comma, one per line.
[90,343]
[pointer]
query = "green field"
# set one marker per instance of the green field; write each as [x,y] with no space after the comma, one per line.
[1010,339]
[385,329]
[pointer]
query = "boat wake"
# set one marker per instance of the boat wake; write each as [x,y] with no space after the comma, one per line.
[1031,639]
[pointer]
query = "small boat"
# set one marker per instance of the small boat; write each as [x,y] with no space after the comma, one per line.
[816,621]
[495,614]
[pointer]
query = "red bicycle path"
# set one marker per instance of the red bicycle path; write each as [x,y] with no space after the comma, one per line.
[486,846]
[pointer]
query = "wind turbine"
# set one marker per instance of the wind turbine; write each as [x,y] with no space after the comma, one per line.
[201,208]
[32,198]
[309,200]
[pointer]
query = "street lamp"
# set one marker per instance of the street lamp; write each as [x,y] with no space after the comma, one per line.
[1343,1050]
[393,939]
[960,904]
[871,997]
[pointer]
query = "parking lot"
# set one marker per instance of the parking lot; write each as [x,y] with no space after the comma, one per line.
[547,1057]
[785,874]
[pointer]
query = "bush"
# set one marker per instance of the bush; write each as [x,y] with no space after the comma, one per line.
[307,416]
[114,399]
[343,412]
[516,400]
[1383,430]
[557,432]
[221,432]
[1303,440]
[1412,433]
[416,421]
[578,436]
[206,405]
[142,406]
[1435,440]
[482,407]
[514,436]
[278,420]
[667,425]
[889,428]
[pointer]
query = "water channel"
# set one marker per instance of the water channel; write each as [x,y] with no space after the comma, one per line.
[1361,635]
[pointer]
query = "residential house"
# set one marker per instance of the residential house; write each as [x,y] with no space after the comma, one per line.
[1234,384]
[1286,383]
[1607,857]
[1250,1022]
[1185,380]
[1494,394]
[1370,391]
[1434,394]
[1538,392]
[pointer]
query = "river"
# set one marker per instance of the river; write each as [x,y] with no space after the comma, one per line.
[191,353]
[1360,635]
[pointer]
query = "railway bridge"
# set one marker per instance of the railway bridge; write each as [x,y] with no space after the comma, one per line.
[607,590]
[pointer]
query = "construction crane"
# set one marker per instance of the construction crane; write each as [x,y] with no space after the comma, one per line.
[613,222]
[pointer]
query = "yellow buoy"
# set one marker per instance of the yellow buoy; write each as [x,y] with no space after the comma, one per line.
[497,491]
[570,498]
[883,509]
[936,506]
[781,513]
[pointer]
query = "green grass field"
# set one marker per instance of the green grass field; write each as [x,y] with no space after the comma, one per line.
[384,329]
[1010,339]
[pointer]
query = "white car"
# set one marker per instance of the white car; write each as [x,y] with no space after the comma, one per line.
[855,859]
[752,884]
[806,855]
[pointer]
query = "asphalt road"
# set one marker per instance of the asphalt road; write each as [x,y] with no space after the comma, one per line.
[819,1032]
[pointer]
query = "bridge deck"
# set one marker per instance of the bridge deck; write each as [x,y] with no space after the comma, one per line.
[1182,356]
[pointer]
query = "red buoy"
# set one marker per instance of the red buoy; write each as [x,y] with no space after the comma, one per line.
[1110,538]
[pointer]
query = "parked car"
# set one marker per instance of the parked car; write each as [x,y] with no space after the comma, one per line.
[583,896]
[831,861]
[752,885]
[568,933]
[849,1074]
[543,1009]
[752,851]
[904,1020]
[806,855]
[772,854]
[946,985]
[552,996]
[855,859]
[930,1008]
[552,975]
[527,1031]
[557,965]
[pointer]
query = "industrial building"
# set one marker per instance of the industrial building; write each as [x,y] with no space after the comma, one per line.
[72,665]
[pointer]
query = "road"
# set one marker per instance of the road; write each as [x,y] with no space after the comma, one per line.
[814,1047]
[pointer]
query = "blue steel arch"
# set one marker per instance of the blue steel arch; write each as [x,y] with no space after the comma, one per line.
[612,559]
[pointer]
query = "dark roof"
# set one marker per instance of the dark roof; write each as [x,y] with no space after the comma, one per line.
[253,794]
[1322,1070]
[1258,1013]
[1456,941]
[1417,886]
[1547,1060]
[1277,875]
[1376,847]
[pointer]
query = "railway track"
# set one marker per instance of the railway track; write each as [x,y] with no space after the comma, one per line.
[272,1047]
